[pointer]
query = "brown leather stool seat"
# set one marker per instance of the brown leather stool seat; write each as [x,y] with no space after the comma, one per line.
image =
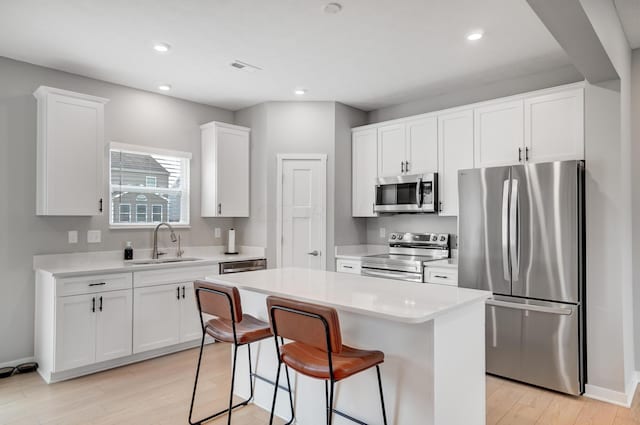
[316,350]
[313,362]
[248,330]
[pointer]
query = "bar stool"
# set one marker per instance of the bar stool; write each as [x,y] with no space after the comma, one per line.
[229,325]
[316,349]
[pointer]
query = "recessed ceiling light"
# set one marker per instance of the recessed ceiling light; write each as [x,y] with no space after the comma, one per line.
[475,36]
[332,8]
[161,47]
[164,87]
[300,92]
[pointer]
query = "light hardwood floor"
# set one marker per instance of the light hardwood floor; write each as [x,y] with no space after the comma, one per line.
[159,391]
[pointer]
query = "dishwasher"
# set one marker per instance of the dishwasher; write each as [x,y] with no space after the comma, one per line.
[243,266]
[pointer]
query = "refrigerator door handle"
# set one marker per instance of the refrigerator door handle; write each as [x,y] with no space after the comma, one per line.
[530,307]
[505,230]
[514,230]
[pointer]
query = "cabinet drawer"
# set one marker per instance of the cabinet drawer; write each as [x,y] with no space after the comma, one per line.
[174,275]
[92,284]
[441,275]
[348,266]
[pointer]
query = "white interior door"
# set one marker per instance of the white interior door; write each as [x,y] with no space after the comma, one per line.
[302,212]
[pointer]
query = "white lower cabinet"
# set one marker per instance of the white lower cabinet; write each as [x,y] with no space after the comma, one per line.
[157,320]
[113,327]
[190,326]
[92,328]
[75,331]
[348,266]
[88,323]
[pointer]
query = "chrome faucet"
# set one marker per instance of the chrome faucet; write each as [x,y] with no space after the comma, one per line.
[155,254]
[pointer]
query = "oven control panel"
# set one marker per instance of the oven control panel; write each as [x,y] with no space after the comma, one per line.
[419,238]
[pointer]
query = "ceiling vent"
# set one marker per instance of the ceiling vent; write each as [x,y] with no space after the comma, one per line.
[243,66]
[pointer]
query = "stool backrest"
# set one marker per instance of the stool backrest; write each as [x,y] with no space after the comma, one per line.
[311,324]
[218,300]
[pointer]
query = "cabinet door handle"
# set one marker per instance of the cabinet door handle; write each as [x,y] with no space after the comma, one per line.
[406,166]
[526,154]
[219,209]
[183,294]
[100,205]
[93,305]
[440,276]
[347,267]
[100,303]
[519,154]
[178,292]
[402,166]
[98,284]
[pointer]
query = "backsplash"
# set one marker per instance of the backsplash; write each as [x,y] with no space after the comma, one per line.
[419,223]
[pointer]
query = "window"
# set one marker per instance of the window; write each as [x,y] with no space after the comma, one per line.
[154,181]
[141,213]
[156,213]
[125,213]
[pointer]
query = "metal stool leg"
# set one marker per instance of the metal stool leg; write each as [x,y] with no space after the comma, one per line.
[275,393]
[195,384]
[384,411]
[231,405]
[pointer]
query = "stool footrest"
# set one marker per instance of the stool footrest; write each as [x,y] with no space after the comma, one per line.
[269,381]
[220,413]
[351,418]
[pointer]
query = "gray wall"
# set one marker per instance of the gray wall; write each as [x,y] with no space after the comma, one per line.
[132,116]
[467,95]
[348,230]
[635,178]
[300,127]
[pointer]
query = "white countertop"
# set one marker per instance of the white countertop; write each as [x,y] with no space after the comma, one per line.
[381,298]
[85,263]
[451,263]
[356,252]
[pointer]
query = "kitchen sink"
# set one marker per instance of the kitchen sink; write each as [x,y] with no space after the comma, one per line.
[147,261]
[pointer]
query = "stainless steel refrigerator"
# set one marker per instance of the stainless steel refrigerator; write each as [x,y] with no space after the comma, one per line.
[521,236]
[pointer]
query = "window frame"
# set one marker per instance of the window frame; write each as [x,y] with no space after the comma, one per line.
[146,181]
[184,190]
[146,214]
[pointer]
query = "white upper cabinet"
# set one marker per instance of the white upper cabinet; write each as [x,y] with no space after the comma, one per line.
[365,164]
[499,134]
[554,126]
[422,146]
[391,150]
[408,148]
[70,153]
[455,147]
[225,170]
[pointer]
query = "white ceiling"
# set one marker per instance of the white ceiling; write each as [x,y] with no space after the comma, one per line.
[629,12]
[372,54]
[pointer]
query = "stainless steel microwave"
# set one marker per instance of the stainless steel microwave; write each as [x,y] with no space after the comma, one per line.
[416,193]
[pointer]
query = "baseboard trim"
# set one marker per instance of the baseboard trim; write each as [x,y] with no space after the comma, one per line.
[619,398]
[17,362]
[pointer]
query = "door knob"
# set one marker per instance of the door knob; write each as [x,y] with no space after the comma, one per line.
[315,253]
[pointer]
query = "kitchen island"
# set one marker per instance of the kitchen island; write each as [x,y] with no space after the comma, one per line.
[432,337]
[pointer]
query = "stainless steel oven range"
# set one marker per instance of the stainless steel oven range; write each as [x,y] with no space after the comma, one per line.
[408,252]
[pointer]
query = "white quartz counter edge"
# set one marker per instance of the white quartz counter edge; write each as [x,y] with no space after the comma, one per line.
[250,282]
[70,265]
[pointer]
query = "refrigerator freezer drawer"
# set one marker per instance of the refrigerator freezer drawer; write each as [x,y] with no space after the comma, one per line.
[535,342]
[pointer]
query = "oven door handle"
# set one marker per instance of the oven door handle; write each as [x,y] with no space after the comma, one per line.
[415,277]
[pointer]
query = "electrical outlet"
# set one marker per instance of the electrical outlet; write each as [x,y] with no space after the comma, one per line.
[383,232]
[217,232]
[94,236]
[73,236]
